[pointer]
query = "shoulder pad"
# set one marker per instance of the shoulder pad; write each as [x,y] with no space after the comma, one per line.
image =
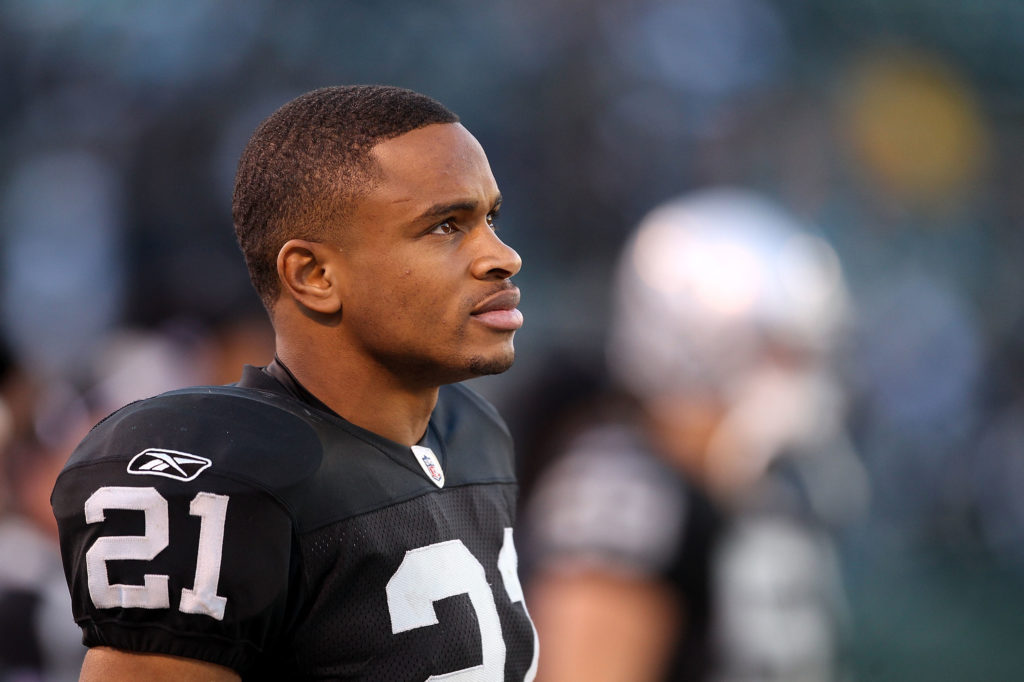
[245,434]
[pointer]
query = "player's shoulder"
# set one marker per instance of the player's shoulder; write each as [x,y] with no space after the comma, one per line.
[607,497]
[615,452]
[239,432]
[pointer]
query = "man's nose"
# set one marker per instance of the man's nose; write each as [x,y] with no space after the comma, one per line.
[496,260]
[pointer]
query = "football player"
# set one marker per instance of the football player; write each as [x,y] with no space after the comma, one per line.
[681,533]
[345,512]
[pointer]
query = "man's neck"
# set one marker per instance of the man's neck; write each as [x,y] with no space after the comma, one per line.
[366,395]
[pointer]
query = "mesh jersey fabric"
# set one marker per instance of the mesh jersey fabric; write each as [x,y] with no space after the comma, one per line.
[339,558]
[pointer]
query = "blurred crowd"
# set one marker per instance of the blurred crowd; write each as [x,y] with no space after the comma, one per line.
[888,133]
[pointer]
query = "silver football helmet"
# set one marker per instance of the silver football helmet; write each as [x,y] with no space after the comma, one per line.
[710,282]
[722,294]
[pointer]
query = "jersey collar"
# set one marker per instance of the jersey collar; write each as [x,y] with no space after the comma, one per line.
[278,378]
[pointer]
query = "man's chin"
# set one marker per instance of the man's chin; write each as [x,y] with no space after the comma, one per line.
[482,366]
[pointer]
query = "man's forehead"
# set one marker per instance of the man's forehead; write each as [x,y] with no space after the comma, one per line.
[438,157]
[439,145]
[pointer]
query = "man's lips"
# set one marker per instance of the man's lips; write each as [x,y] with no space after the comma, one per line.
[499,311]
[506,299]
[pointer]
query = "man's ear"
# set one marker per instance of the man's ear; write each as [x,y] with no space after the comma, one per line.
[308,274]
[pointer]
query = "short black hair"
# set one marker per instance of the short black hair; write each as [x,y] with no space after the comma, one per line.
[308,161]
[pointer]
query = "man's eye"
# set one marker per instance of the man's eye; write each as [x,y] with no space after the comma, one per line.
[447,227]
[492,219]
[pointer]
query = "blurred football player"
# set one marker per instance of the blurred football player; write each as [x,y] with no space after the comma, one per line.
[683,535]
[345,512]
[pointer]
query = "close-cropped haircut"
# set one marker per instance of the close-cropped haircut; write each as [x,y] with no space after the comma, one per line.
[307,162]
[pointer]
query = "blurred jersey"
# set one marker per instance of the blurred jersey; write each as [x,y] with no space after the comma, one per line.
[757,592]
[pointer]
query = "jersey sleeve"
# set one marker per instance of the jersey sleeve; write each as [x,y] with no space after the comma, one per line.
[173,538]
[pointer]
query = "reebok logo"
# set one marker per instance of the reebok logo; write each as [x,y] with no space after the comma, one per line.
[181,466]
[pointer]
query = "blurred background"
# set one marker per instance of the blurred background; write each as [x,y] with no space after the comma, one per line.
[894,129]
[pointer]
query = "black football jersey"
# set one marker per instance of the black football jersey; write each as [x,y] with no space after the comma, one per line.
[250,526]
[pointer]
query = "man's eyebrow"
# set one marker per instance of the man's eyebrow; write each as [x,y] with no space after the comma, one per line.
[443,209]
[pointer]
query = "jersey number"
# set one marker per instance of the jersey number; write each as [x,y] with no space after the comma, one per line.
[153,593]
[426,574]
[446,569]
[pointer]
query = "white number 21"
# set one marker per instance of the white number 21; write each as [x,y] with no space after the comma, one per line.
[202,598]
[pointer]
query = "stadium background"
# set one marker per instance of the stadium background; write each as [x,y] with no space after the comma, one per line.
[895,128]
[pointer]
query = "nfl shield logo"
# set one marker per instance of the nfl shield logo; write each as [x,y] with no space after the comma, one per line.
[428,462]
